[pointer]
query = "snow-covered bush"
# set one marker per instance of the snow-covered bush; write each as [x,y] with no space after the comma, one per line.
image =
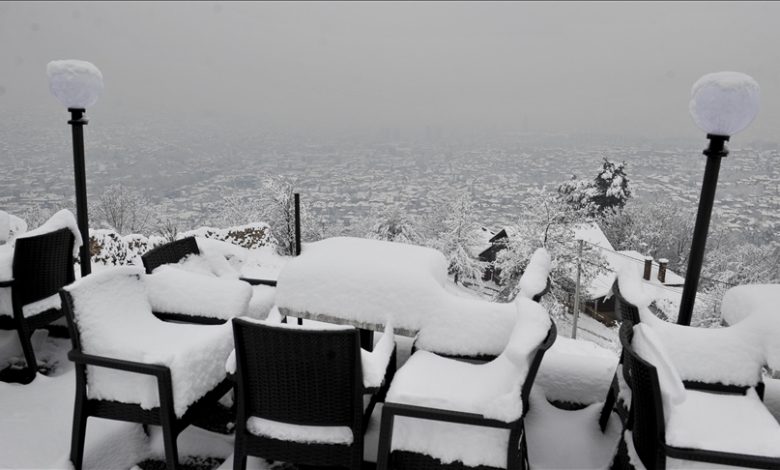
[254,235]
[608,191]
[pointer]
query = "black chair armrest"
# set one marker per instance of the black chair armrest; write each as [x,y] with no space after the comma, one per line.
[440,414]
[119,364]
[6,282]
[257,282]
[715,387]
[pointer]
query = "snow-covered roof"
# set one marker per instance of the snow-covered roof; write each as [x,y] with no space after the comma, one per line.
[592,233]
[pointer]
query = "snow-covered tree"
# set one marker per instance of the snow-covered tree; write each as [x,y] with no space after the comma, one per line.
[456,235]
[547,221]
[608,191]
[395,224]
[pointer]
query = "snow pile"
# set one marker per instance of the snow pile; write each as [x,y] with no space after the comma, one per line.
[576,371]
[724,103]
[631,286]
[115,320]
[492,389]
[76,83]
[374,363]
[741,301]
[534,279]
[173,290]
[60,220]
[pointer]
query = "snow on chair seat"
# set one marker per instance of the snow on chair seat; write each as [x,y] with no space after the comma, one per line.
[672,422]
[462,413]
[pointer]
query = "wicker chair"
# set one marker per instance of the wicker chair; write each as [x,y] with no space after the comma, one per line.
[171,252]
[516,451]
[627,312]
[291,380]
[42,264]
[649,429]
[82,302]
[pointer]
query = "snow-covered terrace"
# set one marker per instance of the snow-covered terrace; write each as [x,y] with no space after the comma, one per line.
[370,284]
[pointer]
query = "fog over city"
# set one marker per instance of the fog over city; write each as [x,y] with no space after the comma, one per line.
[612,68]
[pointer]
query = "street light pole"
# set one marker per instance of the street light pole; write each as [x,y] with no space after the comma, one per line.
[77,122]
[715,152]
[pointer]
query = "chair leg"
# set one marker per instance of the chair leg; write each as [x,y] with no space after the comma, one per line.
[239,453]
[25,338]
[515,452]
[78,433]
[385,438]
[609,403]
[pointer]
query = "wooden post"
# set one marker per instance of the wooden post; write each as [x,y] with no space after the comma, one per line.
[577,291]
[297,224]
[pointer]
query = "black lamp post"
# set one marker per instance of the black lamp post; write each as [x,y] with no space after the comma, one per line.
[722,104]
[77,84]
[77,122]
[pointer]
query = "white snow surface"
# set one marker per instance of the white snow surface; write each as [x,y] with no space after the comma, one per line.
[576,371]
[724,422]
[115,320]
[5,226]
[724,103]
[471,333]
[173,290]
[76,83]
[374,282]
[534,279]
[741,301]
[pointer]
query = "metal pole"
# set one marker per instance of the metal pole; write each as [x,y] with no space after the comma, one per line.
[716,150]
[297,224]
[577,291]
[77,122]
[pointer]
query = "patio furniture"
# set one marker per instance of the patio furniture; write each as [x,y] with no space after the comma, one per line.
[131,366]
[715,425]
[168,253]
[41,265]
[444,413]
[617,401]
[300,392]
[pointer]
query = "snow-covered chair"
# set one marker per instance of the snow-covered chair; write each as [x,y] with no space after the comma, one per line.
[300,391]
[705,425]
[168,253]
[31,275]
[131,366]
[487,331]
[445,413]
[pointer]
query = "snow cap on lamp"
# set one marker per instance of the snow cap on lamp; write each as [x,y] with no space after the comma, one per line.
[724,103]
[76,83]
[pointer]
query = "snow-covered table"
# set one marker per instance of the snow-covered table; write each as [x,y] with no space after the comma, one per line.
[368,283]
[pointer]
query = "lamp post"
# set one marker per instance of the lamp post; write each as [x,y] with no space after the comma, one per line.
[77,85]
[722,105]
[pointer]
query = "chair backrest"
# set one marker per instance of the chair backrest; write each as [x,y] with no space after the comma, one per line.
[42,265]
[168,253]
[535,362]
[647,407]
[624,309]
[297,376]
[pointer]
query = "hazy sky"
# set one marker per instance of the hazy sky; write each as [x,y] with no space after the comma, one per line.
[620,68]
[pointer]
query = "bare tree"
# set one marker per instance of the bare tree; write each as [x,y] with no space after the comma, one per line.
[123,209]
